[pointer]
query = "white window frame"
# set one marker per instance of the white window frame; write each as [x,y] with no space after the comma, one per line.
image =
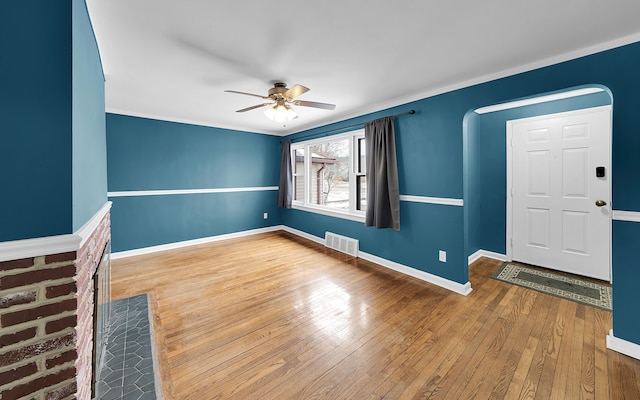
[352,213]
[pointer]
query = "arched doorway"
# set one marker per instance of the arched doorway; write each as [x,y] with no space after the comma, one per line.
[485,162]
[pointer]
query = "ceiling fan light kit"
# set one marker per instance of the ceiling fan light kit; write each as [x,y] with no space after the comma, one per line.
[281,97]
[280,112]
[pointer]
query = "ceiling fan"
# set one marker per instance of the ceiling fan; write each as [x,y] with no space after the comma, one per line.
[280,97]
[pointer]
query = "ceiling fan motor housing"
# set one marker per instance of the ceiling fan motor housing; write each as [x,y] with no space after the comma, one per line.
[278,89]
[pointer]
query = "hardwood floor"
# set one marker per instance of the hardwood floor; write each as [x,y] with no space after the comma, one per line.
[274,316]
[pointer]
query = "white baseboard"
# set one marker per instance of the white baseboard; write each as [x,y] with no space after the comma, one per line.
[623,346]
[460,288]
[484,253]
[302,234]
[193,242]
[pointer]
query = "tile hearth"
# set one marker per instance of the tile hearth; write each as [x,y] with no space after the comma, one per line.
[128,370]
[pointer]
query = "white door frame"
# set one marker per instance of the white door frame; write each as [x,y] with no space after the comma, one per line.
[509,138]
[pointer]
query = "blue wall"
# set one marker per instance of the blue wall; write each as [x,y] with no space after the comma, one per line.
[431,160]
[146,154]
[53,152]
[487,173]
[35,119]
[89,180]
[626,324]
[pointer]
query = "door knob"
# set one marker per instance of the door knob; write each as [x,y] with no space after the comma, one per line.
[601,203]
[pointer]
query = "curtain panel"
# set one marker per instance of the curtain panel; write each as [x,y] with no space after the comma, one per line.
[383,195]
[285,184]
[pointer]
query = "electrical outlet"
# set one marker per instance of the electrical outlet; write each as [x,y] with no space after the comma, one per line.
[266,215]
[442,256]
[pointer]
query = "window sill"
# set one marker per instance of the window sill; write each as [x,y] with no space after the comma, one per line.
[331,213]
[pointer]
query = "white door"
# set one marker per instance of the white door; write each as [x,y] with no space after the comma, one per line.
[560,191]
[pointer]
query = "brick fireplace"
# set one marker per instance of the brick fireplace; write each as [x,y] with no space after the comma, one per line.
[46,314]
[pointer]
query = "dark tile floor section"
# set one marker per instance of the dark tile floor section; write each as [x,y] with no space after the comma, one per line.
[128,371]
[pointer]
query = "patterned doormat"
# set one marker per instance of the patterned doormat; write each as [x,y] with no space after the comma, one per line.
[576,289]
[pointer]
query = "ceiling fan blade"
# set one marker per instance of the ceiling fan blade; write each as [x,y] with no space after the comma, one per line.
[248,94]
[295,91]
[254,107]
[304,103]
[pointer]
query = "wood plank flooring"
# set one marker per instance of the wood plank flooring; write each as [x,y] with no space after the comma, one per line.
[274,316]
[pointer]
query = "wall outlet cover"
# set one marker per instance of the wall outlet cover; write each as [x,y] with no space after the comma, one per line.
[442,256]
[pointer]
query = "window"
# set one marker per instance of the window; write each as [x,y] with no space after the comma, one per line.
[329,175]
[298,174]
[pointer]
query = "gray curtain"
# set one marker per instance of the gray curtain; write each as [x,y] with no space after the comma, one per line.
[383,197]
[285,186]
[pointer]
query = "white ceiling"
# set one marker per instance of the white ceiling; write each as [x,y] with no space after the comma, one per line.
[172,59]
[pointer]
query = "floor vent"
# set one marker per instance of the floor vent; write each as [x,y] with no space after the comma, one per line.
[341,243]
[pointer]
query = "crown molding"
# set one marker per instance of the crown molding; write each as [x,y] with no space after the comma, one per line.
[187,121]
